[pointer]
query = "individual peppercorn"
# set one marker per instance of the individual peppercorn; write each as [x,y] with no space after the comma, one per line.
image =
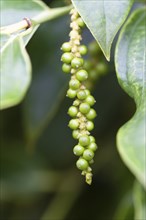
[76,134]
[91,161]
[77,62]
[76,102]
[87,65]
[88,154]
[87,92]
[71,93]
[74,84]
[67,57]
[101,68]
[94,49]
[94,74]
[92,146]
[89,125]
[90,100]
[78,150]
[91,114]
[82,75]
[66,68]
[84,140]
[80,22]
[66,47]
[72,111]
[82,164]
[84,108]
[83,50]
[74,124]
[92,139]
[81,95]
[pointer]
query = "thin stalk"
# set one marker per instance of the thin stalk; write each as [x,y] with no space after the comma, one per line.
[41,18]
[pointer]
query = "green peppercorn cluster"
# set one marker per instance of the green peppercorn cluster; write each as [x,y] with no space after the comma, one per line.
[81,111]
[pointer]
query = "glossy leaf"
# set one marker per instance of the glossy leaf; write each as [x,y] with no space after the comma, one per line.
[14,11]
[11,13]
[139,198]
[15,72]
[104,19]
[131,73]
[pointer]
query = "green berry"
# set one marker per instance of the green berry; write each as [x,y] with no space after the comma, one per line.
[92,146]
[74,124]
[80,22]
[90,100]
[66,47]
[82,75]
[93,74]
[88,154]
[92,139]
[87,92]
[84,108]
[84,140]
[74,84]
[76,134]
[91,161]
[91,114]
[101,68]
[71,93]
[72,111]
[87,65]
[67,57]
[66,68]
[81,94]
[93,48]
[76,103]
[82,164]
[90,125]
[83,50]
[78,150]
[77,62]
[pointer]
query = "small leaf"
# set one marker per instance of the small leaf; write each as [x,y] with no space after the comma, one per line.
[139,201]
[104,19]
[15,72]
[131,72]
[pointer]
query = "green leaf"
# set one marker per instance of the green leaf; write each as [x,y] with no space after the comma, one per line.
[131,72]
[104,19]
[124,210]
[15,72]
[14,11]
[139,198]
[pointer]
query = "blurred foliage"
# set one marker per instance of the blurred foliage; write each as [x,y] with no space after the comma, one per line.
[39,180]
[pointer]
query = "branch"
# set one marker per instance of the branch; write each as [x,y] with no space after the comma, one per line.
[41,18]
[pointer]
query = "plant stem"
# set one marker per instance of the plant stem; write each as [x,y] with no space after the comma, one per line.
[41,18]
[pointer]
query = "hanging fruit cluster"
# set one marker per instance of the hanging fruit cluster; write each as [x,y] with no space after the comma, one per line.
[81,111]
